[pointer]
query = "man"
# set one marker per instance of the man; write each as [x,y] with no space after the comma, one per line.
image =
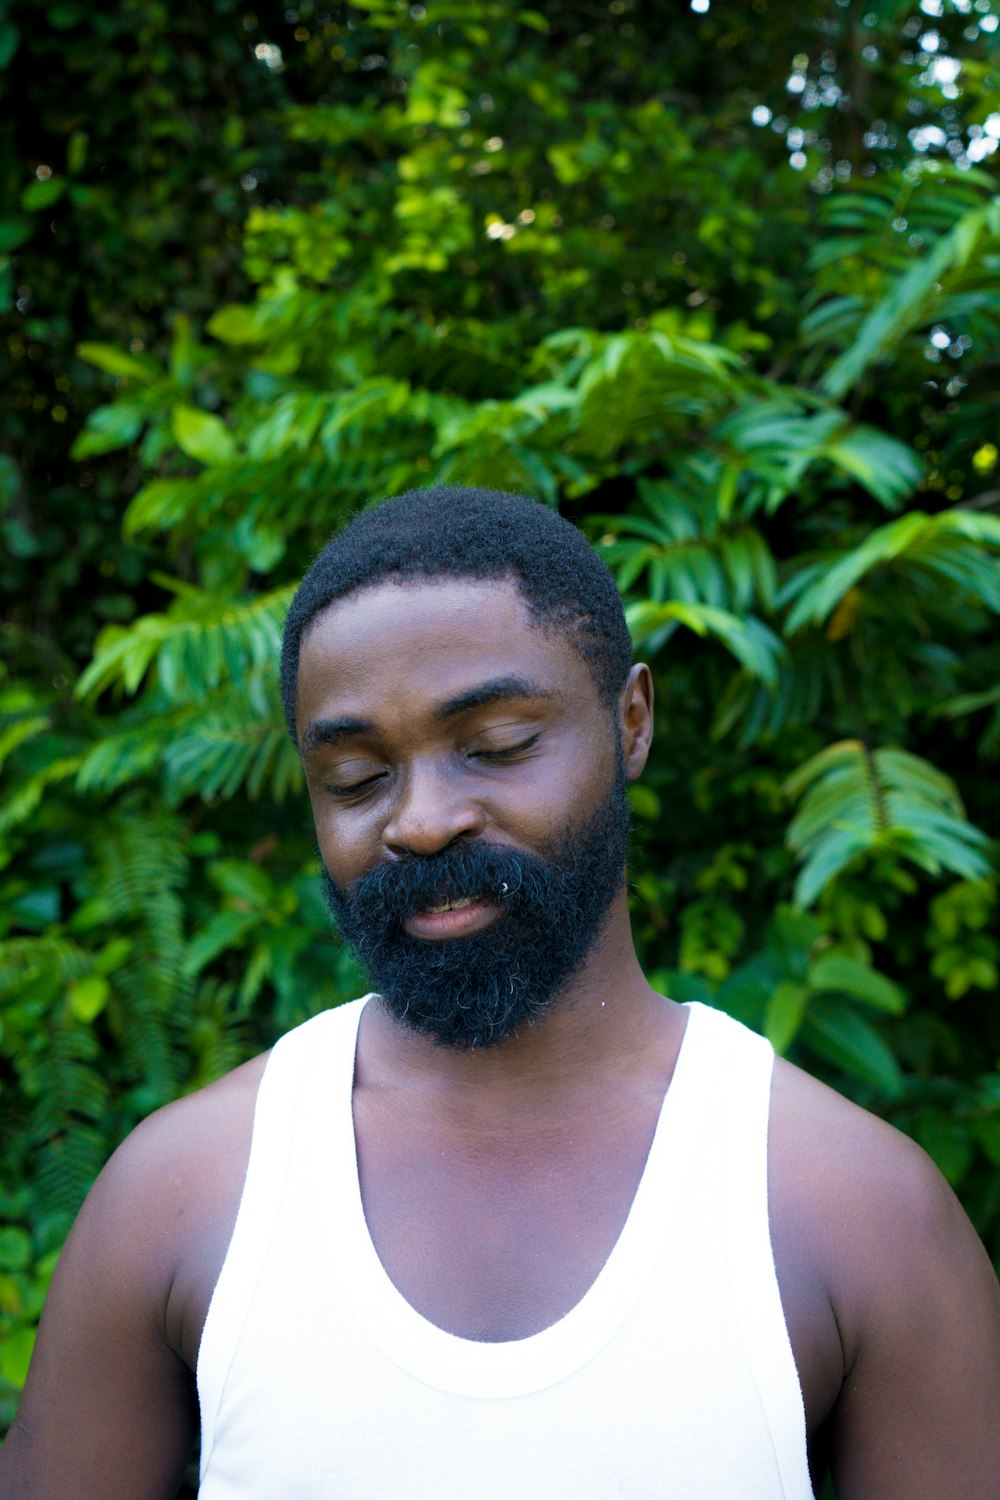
[516,1226]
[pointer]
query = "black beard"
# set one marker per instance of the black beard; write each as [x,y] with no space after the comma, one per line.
[477,991]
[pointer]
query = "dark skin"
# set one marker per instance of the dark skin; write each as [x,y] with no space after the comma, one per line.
[495,1182]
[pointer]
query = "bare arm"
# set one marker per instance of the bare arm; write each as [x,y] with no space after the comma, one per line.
[919,1413]
[108,1412]
[892,1304]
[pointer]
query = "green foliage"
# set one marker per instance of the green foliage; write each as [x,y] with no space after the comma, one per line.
[861,801]
[723,286]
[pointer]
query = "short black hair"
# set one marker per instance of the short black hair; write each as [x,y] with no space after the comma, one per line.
[453,531]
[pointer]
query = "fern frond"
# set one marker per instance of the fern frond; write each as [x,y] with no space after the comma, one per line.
[20,805]
[198,643]
[19,731]
[755,647]
[686,544]
[141,872]
[25,959]
[756,713]
[778,439]
[954,547]
[131,752]
[225,751]
[856,801]
[909,303]
[69,1098]
[640,387]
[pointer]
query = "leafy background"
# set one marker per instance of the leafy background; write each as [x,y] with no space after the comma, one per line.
[722,282]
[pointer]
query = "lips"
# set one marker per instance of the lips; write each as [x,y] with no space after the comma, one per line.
[457,904]
[460,917]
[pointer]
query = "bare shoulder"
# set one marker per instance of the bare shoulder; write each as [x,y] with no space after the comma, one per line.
[178,1159]
[838,1149]
[159,1217]
[189,1144]
[175,1186]
[860,1210]
[109,1410]
[851,1180]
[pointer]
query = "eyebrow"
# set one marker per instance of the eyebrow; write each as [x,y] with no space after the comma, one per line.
[497,690]
[329,731]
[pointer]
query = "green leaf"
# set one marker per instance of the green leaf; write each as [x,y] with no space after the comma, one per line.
[754,645]
[202,641]
[88,997]
[115,361]
[645,803]
[19,732]
[39,195]
[988,1135]
[224,929]
[10,37]
[838,973]
[201,435]
[887,468]
[236,324]
[856,800]
[15,1249]
[829,858]
[15,1355]
[903,306]
[14,232]
[947,1141]
[107,429]
[244,883]
[159,506]
[784,1014]
[845,1039]
[951,546]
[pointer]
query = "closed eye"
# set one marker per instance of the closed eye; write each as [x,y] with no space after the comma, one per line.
[355,786]
[508,751]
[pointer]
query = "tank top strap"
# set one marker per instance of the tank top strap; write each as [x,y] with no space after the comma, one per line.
[328,1039]
[757,1296]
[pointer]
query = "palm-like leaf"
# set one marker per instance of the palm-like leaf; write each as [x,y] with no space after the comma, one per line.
[914,299]
[200,642]
[685,544]
[642,387]
[778,439]
[857,801]
[756,648]
[955,549]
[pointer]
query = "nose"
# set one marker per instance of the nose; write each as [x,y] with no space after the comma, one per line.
[430,812]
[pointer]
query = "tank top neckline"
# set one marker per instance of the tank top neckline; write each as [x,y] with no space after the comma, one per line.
[517,1367]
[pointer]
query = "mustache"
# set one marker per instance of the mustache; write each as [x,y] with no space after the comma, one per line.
[393,891]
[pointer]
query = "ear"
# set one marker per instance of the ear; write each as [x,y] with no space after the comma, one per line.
[637,719]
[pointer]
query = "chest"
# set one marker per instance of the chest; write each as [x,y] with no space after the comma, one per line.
[494,1234]
[495,1231]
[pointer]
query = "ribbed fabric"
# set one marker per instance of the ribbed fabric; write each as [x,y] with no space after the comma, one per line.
[672,1377]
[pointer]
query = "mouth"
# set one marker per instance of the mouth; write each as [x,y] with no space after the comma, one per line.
[459,917]
[458,904]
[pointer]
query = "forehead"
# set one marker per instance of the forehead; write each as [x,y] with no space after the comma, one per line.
[421,642]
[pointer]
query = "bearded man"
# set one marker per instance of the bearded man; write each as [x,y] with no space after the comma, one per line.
[515,1224]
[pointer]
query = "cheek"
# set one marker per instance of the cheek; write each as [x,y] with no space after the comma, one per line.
[347,844]
[563,794]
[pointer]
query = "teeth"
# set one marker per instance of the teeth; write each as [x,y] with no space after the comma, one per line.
[456,905]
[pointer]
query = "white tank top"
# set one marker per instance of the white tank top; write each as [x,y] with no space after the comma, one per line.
[672,1377]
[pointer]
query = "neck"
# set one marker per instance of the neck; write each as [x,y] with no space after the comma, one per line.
[607,1026]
